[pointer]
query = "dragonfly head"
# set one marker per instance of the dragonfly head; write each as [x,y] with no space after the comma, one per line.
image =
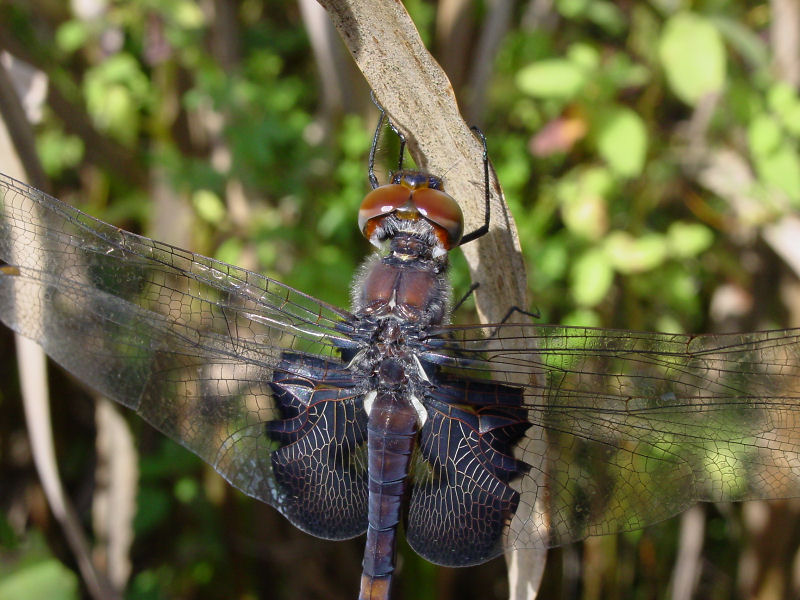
[412,196]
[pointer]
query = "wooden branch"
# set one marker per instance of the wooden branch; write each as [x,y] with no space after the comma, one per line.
[418,97]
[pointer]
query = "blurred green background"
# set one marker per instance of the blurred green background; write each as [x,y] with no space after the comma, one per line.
[648,152]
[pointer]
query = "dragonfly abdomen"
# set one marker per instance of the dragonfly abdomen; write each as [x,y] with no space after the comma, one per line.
[392,428]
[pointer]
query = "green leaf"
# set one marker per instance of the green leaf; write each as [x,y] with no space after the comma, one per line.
[743,101]
[781,169]
[628,254]
[668,324]
[46,579]
[582,317]
[764,135]
[58,151]
[622,73]
[791,120]
[572,8]
[188,15]
[622,141]
[583,202]
[688,239]
[230,251]
[116,89]
[186,489]
[693,56]
[552,260]
[607,15]
[591,278]
[72,35]
[8,538]
[355,137]
[551,78]
[584,55]
[782,100]
[209,206]
[781,96]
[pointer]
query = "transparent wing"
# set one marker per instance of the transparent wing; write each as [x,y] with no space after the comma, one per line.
[630,428]
[197,347]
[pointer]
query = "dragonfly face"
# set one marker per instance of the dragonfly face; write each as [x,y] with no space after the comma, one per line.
[357,421]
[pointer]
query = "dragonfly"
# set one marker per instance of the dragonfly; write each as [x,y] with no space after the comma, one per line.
[473,440]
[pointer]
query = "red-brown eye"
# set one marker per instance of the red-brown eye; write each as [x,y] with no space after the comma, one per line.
[412,198]
[380,202]
[443,212]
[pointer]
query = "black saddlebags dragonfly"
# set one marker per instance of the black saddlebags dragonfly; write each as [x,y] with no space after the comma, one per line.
[477,439]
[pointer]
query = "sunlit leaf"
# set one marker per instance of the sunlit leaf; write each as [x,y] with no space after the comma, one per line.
[58,151]
[572,8]
[629,254]
[591,278]
[72,35]
[781,169]
[783,100]
[791,120]
[781,96]
[188,15]
[582,317]
[622,141]
[230,251]
[607,15]
[46,579]
[584,55]
[688,239]
[583,203]
[764,135]
[693,56]
[209,206]
[116,90]
[551,78]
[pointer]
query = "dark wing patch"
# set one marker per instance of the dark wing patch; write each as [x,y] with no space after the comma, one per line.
[320,464]
[461,499]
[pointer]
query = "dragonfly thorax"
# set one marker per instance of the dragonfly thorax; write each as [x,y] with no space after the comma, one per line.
[414,290]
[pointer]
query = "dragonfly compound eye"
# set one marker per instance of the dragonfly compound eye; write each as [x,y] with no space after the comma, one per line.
[443,212]
[411,202]
[380,202]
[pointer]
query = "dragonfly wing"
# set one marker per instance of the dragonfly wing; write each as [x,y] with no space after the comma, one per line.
[194,346]
[44,234]
[638,426]
[321,465]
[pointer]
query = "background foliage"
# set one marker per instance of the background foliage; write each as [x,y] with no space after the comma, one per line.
[646,149]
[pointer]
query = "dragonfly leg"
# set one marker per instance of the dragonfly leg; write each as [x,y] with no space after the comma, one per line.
[466,296]
[373,180]
[483,229]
